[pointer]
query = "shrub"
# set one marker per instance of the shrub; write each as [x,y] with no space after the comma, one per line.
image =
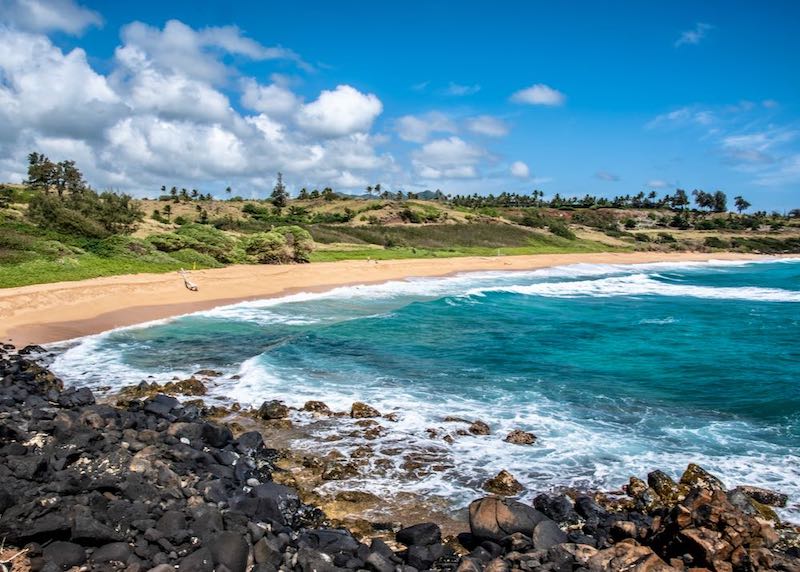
[85,213]
[715,242]
[630,223]
[208,240]
[299,240]
[560,228]
[191,256]
[268,248]
[170,241]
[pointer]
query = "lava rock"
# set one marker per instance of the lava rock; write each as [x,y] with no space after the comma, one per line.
[422,534]
[229,549]
[519,437]
[272,410]
[65,555]
[503,484]
[494,518]
[547,534]
[361,410]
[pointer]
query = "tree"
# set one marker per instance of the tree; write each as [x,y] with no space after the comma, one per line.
[703,199]
[194,193]
[228,190]
[173,192]
[720,202]
[279,195]
[303,196]
[168,211]
[369,190]
[741,204]
[680,200]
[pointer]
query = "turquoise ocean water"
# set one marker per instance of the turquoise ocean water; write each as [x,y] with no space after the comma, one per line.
[617,369]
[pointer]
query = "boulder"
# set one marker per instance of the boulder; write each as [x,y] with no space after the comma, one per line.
[556,506]
[317,407]
[547,534]
[272,410]
[668,490]
[229,549]
[503,484]
[65,555]
[495,518]
[113,552]
[696,477]
[199,561]
[216,435]
[478,427]
[764,496]
[627,557]
[361,410]
[421,534]
[519,437]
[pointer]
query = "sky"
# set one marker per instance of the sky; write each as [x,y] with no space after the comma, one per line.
[571,97]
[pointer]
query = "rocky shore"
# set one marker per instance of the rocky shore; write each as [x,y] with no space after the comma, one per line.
[155,484]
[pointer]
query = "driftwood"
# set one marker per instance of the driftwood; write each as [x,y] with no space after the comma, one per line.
[186,282]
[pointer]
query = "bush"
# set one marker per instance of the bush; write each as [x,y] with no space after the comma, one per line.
[170,241]
[120,246]
[208,240]
[191,256]
[715,242]
[85,213]
[560,228]
[268,248]
[299,240]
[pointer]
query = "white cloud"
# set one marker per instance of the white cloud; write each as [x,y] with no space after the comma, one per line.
[146,123]
[31,66]
[460,90]
[693,36]
[48,15]
[418,128]
[447,158]
[539,94]
[657,184]
[342,111]
[606,176]
[273,99]
[520,170]
[488,125]
[196,53]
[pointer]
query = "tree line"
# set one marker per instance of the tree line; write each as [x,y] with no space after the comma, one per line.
[63,201]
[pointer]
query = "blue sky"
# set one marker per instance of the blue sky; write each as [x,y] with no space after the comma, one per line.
[571,97]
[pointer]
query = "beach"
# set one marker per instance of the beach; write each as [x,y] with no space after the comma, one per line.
[59,311]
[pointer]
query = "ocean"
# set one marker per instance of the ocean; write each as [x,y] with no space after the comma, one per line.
[618,370]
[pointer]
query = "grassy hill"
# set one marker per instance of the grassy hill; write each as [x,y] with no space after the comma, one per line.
[174,233]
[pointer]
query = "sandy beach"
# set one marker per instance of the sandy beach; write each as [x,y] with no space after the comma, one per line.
[46,313]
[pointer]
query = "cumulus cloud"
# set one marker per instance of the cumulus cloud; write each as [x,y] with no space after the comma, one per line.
[30,66]
[272,99]
[606,176]
[539,94]
[149,122]
[418,128]
[447,158]
[520,170]
[693,36]
[488,125]
[181,49]
[48,16]
[341,111]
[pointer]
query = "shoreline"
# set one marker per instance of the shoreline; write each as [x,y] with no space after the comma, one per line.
[46,313]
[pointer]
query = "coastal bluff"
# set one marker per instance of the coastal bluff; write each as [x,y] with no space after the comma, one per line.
[156,485]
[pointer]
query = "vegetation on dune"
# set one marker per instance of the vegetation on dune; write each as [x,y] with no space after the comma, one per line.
[56,227]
